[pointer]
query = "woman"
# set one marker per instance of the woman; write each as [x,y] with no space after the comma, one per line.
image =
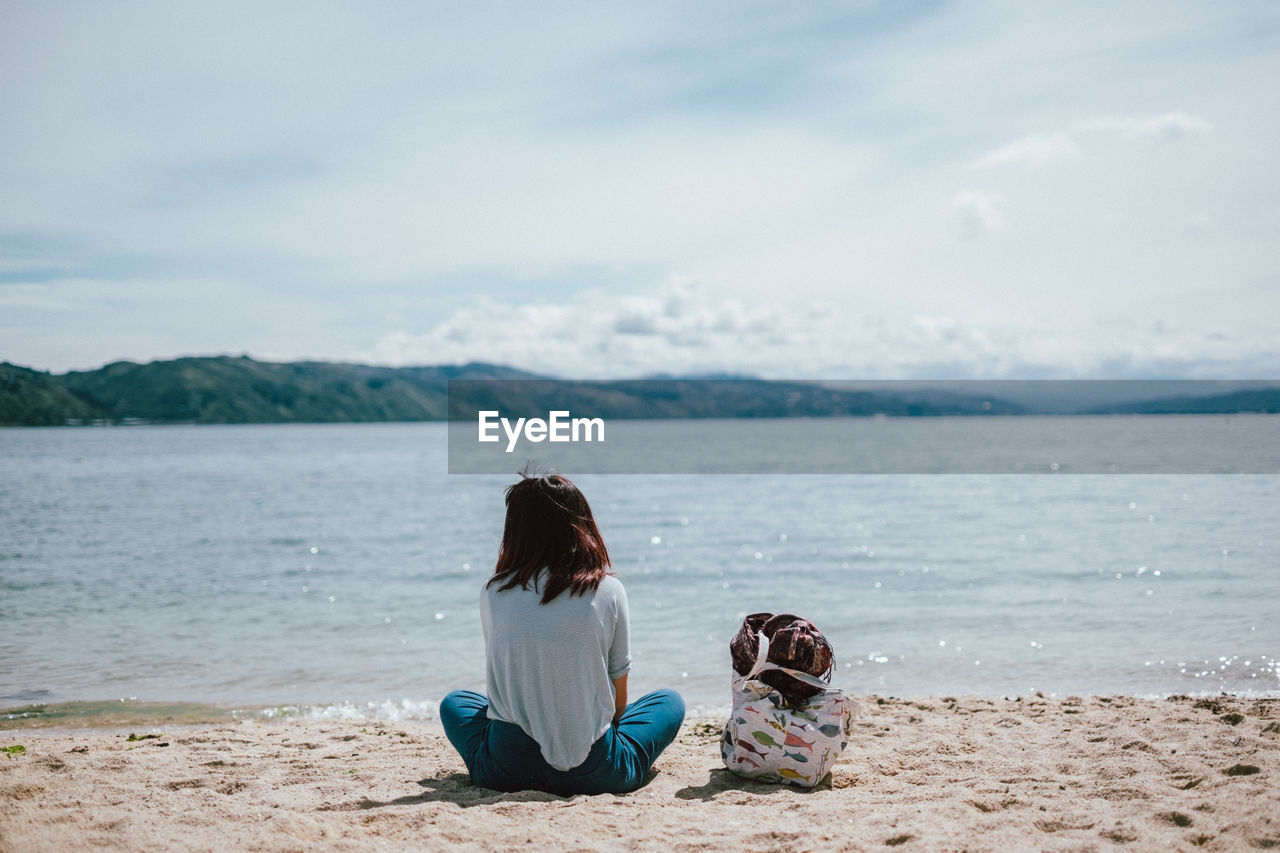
[557,654]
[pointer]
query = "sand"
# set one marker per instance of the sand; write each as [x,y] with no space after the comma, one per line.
[940,774]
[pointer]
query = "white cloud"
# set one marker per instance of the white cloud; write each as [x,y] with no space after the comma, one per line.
[975,214]
[1033,150]
[580,338]
[1166,126]
[1038,149]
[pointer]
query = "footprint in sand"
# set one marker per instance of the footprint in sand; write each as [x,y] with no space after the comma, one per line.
[1175,818]
[1242,770]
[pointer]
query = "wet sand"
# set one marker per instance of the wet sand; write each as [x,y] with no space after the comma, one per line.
[940,774]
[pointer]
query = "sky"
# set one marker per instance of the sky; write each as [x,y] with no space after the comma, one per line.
[598,190]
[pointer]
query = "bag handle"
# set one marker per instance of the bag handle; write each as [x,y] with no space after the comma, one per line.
[761,665]
[762,652]
[799,675]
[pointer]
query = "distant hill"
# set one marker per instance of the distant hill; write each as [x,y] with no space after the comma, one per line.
[1106,396]
[1260,400]
[31,398]
[228,390]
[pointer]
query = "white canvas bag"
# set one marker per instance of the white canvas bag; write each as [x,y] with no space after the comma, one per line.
[770,743]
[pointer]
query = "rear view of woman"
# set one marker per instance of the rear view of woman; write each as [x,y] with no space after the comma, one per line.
[557,655]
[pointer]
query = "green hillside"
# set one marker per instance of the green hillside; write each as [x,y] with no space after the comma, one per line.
[225,390]
[31,398]
[1255,400]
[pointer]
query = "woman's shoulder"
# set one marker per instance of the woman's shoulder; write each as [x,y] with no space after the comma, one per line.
[611,587]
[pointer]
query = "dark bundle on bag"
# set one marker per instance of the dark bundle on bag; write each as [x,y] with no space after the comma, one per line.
[794,643]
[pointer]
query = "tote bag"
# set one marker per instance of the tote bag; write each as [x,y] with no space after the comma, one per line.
[769,742]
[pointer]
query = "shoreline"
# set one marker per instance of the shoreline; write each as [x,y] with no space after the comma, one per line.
[919,774]
[112,715]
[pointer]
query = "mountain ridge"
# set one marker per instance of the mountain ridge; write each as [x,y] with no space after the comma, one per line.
[240,389]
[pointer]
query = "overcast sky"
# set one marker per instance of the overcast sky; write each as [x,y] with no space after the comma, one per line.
[605,189]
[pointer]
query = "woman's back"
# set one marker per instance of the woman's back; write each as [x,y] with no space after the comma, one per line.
[549,667]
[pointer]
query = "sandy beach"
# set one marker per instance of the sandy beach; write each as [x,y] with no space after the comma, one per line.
[941,774]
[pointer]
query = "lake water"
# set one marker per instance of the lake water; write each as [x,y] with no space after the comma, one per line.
[336,569]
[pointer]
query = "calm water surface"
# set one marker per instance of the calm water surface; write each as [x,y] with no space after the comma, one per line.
[339,566]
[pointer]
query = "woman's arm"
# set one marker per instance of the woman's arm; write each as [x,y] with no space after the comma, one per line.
[619,696]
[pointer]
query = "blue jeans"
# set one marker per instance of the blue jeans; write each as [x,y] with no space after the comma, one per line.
[501,756]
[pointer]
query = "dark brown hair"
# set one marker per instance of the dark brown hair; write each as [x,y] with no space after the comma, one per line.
[549,526]
[794,643]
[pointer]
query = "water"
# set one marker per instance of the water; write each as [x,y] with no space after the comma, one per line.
[335,569]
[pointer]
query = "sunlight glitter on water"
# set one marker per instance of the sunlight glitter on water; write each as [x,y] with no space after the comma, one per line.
[352,516]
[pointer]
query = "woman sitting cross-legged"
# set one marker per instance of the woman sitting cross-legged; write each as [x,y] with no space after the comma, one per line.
[557,656]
